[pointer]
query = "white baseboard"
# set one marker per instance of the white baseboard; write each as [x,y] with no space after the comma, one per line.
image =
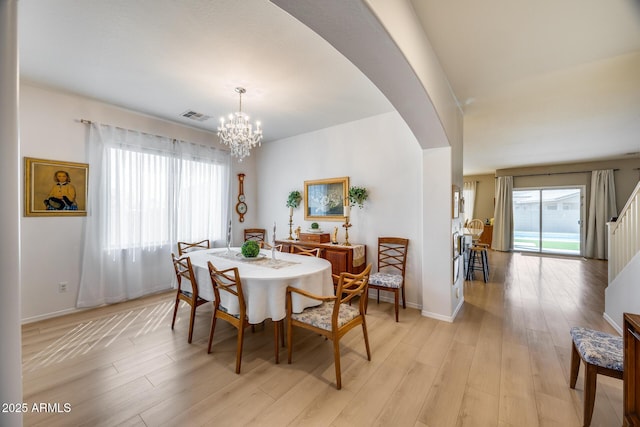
[386,298]
[612,323]
[51,315]
[438,316]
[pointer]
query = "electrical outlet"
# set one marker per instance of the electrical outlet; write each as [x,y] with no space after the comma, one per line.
[62,287]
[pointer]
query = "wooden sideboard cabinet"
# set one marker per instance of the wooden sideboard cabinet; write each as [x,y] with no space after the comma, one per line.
[487,235]
[341,257]
[631,376]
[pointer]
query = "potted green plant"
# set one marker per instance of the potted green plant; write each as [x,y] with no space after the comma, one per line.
[315,226]
[357,196]
[293,201]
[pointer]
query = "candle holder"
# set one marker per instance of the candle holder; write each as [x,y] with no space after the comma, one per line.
[346,226]
[290,228]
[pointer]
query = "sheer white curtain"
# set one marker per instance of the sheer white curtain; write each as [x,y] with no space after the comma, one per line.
[145,193]
[602,207]
[469,194]
[503,216]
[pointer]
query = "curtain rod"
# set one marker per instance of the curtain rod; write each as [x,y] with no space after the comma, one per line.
[175,140]
[553,173]
[89,122]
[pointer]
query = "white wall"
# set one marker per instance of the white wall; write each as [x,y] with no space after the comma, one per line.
[10,331]
[51,247]
[623,294]
[379,153]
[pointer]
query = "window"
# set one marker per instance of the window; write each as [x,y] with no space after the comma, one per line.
[146,192]
[548,220]
[142,188]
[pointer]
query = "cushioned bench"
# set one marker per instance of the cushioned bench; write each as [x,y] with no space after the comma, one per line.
[601,353]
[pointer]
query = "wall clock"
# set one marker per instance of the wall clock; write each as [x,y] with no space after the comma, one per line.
[241,206]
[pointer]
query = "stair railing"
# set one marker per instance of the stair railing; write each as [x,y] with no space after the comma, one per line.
[624,235]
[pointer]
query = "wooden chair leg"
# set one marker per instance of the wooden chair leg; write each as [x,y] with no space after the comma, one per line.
[175,311]
[213,328]
[378,291]
[591,372]
[395,297]
[575,366]
[366,301]
[336,356]
[289,340]
[239,347]
[191,321]
[366,338]
[404,299]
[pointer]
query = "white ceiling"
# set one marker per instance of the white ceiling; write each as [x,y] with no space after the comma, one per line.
[539,82]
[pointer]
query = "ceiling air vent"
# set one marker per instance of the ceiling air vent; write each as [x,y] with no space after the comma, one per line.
[199,117]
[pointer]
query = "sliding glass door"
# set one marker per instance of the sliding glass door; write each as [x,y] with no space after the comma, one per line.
[548,220]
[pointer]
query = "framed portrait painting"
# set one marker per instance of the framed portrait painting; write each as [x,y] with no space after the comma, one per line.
[324,199]
[55,188]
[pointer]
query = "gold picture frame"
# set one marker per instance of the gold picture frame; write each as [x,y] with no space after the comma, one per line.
[324,199]
[55,188]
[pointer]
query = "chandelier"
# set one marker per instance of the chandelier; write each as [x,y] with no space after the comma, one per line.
[238,133]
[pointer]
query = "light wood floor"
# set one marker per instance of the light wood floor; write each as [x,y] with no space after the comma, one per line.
[503,362]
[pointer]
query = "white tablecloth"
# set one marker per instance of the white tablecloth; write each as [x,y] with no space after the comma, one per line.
[264,287]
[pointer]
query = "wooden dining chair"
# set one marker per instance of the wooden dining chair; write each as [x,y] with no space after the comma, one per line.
[266,245]
[334,317]
[184,247]
[187,292]
[256,234]
[475,228]
[300,250]
[228,281]
[601,353]
[392,263]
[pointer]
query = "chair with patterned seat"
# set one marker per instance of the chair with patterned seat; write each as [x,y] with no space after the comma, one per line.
[392,262]
[187,290]
[228,281]
[602,353]
[334,317]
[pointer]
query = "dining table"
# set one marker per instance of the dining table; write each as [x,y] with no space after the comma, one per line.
[265,279]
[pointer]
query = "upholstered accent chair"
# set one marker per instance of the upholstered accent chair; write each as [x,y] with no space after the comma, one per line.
[184,247]
[187,290]
[228,281]
[392,263]
[334,317]
[601,353]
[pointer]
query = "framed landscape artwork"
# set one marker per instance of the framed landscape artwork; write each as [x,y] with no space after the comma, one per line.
[55,188]
[324,199]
